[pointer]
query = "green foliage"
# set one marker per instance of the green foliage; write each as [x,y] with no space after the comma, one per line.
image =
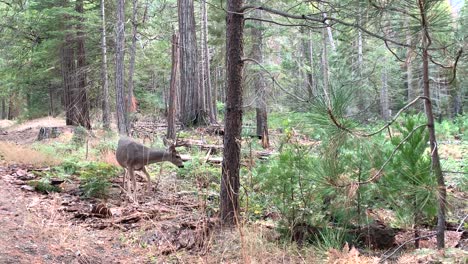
[288,183]
[329,238]
[202,172]
[453,129]
[95,178]
[408,183]
[43,185]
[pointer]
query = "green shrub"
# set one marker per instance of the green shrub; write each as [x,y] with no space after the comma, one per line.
[43,185]
[289,184]
[95,177]
[408,184]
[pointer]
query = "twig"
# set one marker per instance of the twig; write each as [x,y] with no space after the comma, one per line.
[382,260]
[462,222]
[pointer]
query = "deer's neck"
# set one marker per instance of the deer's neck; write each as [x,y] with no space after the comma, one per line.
[158,155]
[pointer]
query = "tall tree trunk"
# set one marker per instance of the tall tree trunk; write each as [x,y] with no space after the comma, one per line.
[10,114]
[259,81]
[329,32]
[4,112]
[192,104]
[436,167]
[82,99]
[325,63]
[69,80]
[131,66]
[119,70]
[171,114]
[104,75]
[51,102]
[210,102]
[229,205]
[308,60]
[412,90]
[384,98]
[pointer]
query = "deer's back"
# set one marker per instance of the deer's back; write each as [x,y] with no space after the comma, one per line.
[131,154]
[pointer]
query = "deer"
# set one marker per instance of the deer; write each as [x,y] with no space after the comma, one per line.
[134,156]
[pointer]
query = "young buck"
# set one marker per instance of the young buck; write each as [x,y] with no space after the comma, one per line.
[133,156]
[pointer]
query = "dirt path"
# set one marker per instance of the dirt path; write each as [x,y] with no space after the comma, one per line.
[35,230]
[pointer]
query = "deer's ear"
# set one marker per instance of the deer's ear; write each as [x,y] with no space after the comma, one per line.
[172,148]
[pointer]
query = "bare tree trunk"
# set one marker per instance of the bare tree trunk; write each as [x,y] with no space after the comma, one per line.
[4,112]
[329,32]
[412,90]
[436,167]
[325,62]
[51,102]
[104,75]
[384,98]
[131,67]
[229,205]
[192,104]
[210,103]
[10,114]
[171,114]
[69,80]
[259,82]
[82,96]
[308,60]
[119,71]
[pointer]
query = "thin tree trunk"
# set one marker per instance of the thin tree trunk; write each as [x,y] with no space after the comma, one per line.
[10,115]
[210,103]
[325,63]
[384,98]
[51,102]
[259,82]
[171,115]
[104,74]
[411,88]
[329,32]
[131,67]
[4,112]
[436,166]
[119,70]
[82,100]
[230,183]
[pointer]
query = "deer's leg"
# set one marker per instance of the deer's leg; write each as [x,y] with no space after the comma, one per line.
[124,179]
[148,184]
[132,178]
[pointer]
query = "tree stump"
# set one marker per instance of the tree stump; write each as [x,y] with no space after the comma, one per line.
[48,132]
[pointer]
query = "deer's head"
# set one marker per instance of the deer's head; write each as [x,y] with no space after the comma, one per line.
[175,157]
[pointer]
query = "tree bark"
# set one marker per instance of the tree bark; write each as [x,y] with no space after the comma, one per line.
[119,71]
[104,74]
[229,205]
[259,81]
[171,115]
[193,112]
[325,62]
[205,58]
[69,80]
[82,96]
[4,112]
[436,166]
[384,98]
[131,66]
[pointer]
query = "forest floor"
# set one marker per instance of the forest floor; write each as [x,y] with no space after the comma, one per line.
[169,225]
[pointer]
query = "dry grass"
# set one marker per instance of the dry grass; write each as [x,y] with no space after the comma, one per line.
[11,152]
[257,245]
